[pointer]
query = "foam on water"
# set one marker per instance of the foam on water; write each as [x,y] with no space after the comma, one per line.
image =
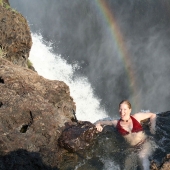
[110,165]
[54,67]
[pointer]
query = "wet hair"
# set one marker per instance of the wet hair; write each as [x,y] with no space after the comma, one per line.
[125,102]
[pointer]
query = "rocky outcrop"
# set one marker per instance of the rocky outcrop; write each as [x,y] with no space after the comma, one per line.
[77,136]
[15,41]
[33,111]
[164,166]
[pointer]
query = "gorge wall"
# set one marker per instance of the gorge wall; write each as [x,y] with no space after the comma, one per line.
[33,110]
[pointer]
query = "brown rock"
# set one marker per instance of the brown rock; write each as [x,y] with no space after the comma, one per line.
[154,166]
[32,111]
[165,165]
[77,136]
[15,41]
[5,2]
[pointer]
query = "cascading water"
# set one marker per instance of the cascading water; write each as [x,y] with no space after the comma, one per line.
[54,67]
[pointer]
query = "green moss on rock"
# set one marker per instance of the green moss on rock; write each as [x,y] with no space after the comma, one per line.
[5,4]
[29,64]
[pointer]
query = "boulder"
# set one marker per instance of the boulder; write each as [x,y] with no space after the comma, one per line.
[77,136]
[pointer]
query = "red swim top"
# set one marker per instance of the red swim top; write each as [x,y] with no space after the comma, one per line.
[137,127]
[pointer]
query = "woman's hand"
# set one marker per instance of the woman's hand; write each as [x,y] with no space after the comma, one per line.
[99,127]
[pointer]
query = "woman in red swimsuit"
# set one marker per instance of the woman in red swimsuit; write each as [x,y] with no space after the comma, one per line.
[130,128]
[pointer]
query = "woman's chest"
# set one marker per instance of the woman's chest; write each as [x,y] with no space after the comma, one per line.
[128,126]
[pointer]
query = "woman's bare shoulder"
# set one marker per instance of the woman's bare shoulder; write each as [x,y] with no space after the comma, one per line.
[143,115]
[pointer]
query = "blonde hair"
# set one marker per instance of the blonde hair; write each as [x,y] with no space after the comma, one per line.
[125,102]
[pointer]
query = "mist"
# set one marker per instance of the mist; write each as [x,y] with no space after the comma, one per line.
[80,33]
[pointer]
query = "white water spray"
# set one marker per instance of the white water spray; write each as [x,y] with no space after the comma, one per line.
[54,67]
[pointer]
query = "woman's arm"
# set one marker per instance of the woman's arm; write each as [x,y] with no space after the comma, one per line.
[105,122]
[149,115]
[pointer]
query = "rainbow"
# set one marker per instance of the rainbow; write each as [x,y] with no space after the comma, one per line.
[109,19]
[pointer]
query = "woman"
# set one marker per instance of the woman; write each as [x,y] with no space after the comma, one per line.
[130,128]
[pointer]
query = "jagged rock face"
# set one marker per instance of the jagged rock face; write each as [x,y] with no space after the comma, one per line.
[15,41]
[32,111]
[77,136]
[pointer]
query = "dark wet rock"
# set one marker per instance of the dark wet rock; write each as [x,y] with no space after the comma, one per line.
[23,160]
[77,136]
[161,159]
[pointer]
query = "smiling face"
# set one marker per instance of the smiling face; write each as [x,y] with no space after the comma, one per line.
[124,110]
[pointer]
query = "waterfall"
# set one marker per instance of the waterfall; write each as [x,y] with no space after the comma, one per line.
[54,67]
